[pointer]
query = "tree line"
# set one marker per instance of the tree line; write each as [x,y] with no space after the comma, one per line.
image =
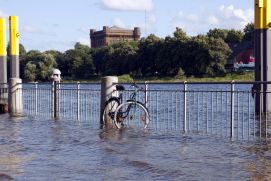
[176,55]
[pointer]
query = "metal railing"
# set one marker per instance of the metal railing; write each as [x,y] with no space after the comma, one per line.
[224,109]
[3,93]
[77,101]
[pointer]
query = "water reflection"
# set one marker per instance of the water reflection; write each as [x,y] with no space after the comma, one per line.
[260,167]
[11,148]
[65,150]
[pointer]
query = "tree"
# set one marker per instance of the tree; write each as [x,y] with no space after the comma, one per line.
[206,56]
[30,72]
[234,36]
[249,32]
[78,62]
[148,49]
[121,59]
[218,33]
[39,66]
[180,35]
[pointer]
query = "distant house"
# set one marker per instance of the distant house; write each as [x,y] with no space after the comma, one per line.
[111,35]
[242,56]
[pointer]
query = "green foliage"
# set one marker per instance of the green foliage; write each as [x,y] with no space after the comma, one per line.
[218,33]
[125,78]
[30,72]
[234,36]
[249,32]
[178,55]
[116,59]
[39,66]
[77,62]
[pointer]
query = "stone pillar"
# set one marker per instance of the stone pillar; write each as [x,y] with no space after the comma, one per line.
[15,103]
[107,90]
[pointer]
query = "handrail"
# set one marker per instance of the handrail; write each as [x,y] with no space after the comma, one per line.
[223,82]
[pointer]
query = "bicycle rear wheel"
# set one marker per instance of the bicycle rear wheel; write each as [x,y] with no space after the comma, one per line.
[109,110]
[131,113]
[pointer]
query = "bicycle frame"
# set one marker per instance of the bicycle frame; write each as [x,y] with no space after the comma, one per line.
[132,98]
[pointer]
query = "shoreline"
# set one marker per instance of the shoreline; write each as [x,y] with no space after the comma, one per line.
[236,76]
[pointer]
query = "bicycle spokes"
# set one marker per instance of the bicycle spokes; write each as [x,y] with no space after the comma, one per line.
[132,114]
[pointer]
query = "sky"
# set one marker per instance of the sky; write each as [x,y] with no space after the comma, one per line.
[59,24]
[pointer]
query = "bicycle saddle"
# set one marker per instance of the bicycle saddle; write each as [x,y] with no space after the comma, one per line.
[120,87]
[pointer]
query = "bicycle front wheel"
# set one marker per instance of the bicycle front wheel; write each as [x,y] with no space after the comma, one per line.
[132,113]
[109,110]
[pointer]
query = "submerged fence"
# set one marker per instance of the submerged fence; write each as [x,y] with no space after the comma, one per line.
[224,109]
[3,93]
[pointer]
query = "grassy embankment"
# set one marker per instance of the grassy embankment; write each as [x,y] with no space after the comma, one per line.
[237,76]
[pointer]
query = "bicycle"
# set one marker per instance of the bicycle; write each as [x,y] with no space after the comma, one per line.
[131,110]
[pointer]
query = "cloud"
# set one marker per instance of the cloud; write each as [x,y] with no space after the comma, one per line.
[148,27]
[83,30]
[237,18]
[84,41]
[225,17]
[118,22]
[28,29]
[128,5]
[3,14]
[213,20]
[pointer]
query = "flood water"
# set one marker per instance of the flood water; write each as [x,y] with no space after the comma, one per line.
[32,149]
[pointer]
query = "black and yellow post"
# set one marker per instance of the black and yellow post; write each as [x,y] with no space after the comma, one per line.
[14,47]
[15,105]
[3,52]
[263,54]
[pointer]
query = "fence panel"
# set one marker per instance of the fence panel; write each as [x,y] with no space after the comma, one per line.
[219,109]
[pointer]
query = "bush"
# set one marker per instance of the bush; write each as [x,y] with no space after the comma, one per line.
[125,78]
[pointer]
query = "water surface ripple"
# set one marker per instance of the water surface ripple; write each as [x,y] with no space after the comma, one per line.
[47,150]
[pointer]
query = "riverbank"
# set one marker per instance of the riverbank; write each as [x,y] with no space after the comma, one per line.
[237,76]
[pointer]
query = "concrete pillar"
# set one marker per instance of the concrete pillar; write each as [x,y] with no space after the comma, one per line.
[15,103]
[107,90]
[14,47]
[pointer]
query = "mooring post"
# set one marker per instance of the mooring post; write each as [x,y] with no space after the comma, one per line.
[14,47]
[15,83]
[262,46]
[108,89]
[55,93]
[3,61]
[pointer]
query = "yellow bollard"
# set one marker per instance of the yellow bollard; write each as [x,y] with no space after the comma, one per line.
[262,46]
[14,47]
[3,52]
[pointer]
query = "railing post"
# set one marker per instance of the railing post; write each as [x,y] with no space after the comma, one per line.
[56,100]
[184,107]
[232,109]
[53,99]
[78,101]
[36,99]
[146,93]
